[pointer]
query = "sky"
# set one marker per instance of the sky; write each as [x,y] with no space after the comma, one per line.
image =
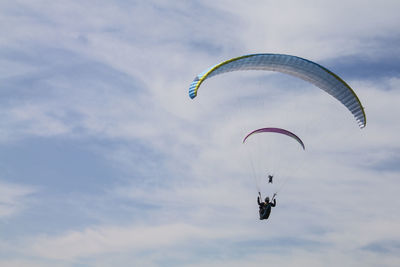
[106,161]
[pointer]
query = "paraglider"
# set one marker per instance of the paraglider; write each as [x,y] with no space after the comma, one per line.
[292,65]
[270,178]
[265,207]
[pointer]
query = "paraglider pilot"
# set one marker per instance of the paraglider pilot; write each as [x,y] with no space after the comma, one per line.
[265,207]
[270,178]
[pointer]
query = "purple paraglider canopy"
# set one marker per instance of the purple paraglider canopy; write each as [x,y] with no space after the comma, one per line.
[276,130]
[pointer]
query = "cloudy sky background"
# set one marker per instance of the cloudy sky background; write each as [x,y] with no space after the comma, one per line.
[106,161]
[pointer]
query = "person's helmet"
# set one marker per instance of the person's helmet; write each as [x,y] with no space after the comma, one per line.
[267,199]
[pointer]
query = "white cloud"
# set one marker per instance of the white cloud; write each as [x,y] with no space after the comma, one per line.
[131,239]
[13,198]
[314,29]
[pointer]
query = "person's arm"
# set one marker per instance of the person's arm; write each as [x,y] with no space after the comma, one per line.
[273,204]
[258,200]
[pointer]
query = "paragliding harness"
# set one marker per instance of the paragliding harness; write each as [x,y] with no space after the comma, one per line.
[265,208]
